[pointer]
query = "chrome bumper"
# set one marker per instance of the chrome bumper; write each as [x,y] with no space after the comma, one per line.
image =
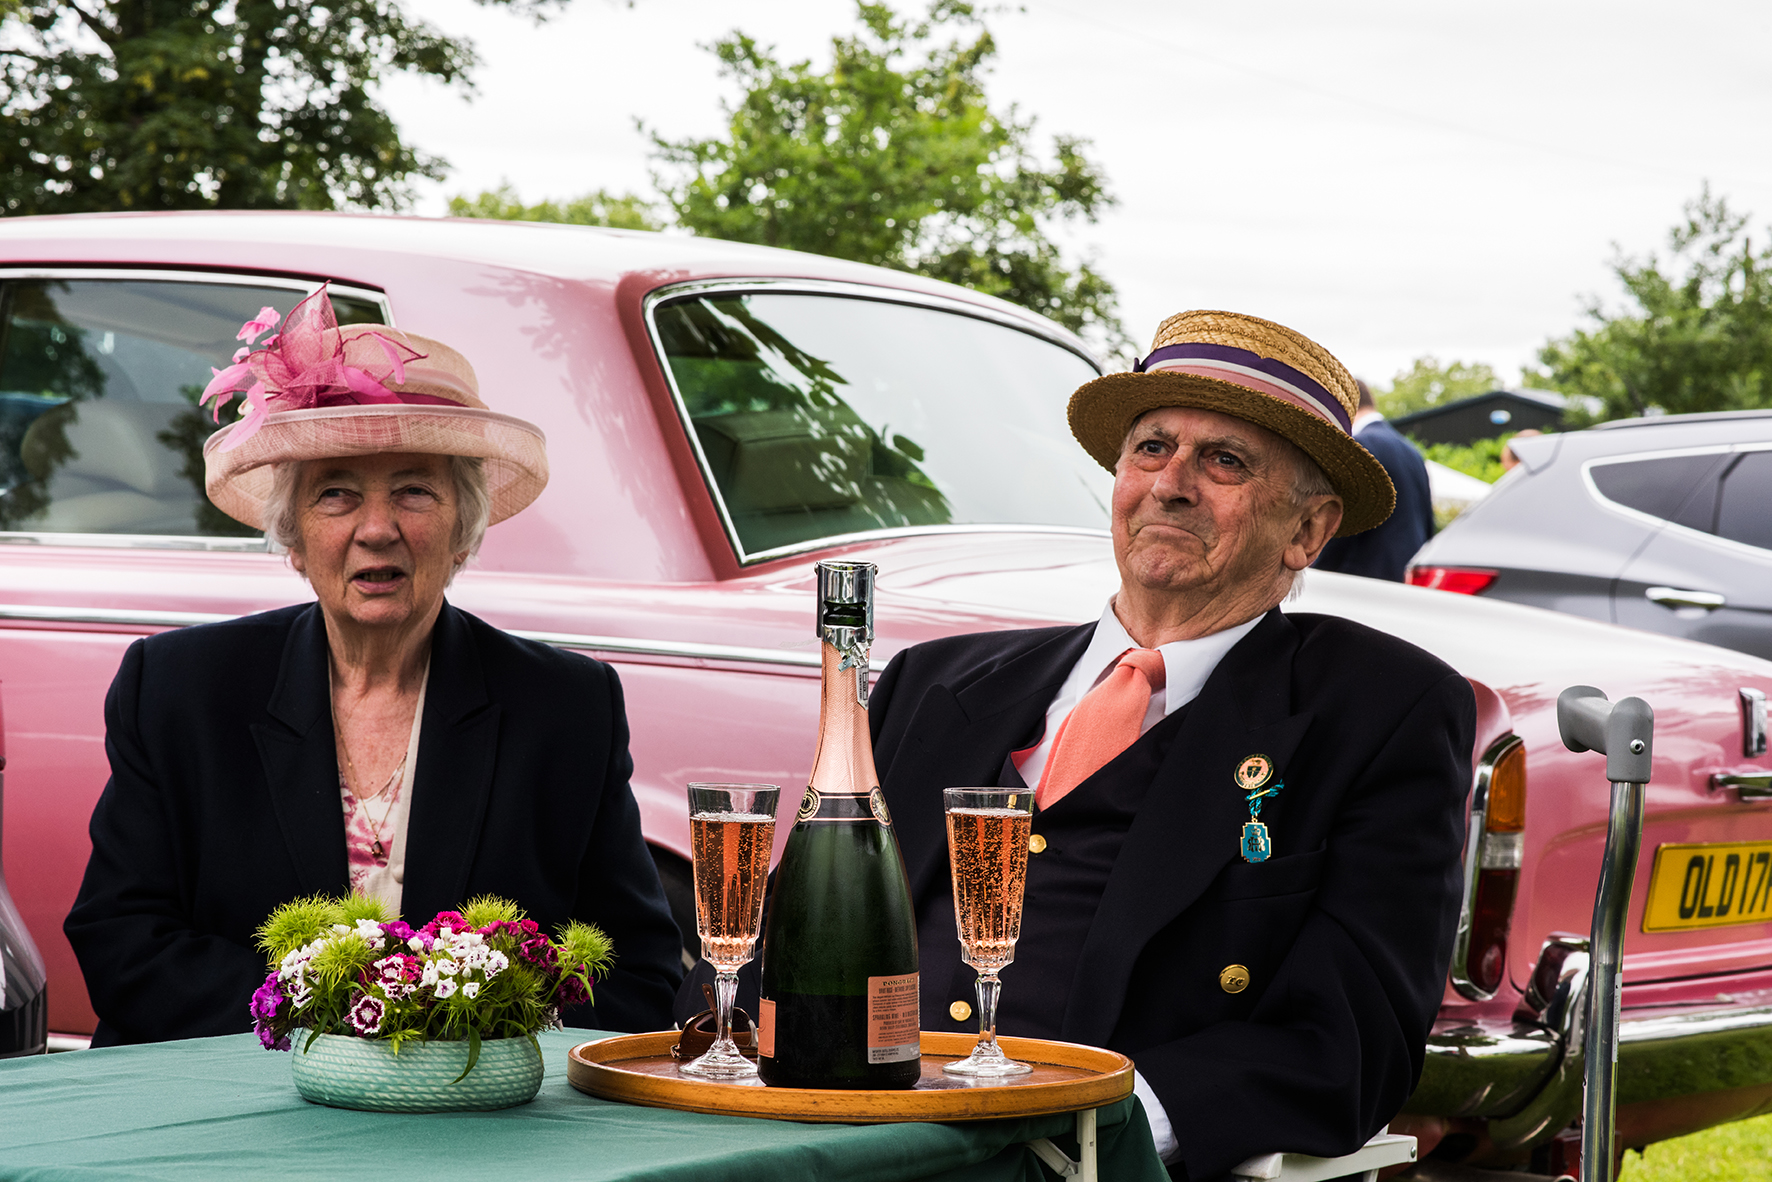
[1525,1079]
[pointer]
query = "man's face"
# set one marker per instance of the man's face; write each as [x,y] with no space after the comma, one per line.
[1203,502]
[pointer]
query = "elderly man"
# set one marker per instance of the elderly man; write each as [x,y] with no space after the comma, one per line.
[1244,868]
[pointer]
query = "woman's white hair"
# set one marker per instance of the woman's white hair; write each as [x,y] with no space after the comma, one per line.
[473,505]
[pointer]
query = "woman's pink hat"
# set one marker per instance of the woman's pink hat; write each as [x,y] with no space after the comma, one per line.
[316,391]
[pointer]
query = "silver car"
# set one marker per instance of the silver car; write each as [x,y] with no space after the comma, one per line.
[1661,523]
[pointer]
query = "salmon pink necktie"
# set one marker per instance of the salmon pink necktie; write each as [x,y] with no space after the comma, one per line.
[1108,720]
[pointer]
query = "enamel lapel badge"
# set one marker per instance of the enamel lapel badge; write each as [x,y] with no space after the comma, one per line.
[1252,777]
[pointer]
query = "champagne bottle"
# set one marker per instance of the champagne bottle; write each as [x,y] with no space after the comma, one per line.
[839,987]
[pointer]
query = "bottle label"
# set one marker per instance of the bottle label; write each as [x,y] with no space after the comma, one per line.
[766,1028]
[892,1019]
[823,807]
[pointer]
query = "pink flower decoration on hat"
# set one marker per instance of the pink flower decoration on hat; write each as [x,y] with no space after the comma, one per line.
[264,322]
[304,367]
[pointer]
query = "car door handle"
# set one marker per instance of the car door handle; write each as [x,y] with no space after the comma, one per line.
[1710,601]
[1751,785]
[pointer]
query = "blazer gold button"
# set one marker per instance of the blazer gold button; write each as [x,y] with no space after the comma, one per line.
[960,1011]
[1036,844]
[1234,978]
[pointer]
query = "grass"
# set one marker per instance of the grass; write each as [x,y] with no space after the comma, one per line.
[1739,1152]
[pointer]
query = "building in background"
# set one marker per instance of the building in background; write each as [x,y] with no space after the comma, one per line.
[1484,416]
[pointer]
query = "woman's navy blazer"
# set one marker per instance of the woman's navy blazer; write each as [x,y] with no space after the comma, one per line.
[223,802]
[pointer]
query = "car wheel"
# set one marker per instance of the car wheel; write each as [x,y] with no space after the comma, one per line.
[679,889]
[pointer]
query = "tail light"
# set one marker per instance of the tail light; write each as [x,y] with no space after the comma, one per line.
[1461,580]
[1493,848]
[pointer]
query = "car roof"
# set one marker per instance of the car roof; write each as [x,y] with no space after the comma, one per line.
[1714,416]
[579,253]
[1661,432]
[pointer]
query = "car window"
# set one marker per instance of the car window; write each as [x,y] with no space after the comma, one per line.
[100,431]
[1744,506]
[1680,489]
[824,415]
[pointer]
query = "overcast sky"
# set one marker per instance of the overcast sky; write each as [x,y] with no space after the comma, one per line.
[1390,177]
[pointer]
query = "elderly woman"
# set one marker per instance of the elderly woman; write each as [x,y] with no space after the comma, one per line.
[377,740]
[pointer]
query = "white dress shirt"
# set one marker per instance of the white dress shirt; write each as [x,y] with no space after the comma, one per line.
[1186,666]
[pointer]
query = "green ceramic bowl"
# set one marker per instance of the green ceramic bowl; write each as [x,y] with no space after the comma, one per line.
[346,1072]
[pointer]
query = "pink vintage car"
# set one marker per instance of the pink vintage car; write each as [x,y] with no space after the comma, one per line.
[720,416]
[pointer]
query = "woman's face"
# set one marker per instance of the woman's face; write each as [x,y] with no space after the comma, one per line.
[376,536]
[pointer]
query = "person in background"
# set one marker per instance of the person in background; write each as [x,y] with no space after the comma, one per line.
[1384,552]
[377,741]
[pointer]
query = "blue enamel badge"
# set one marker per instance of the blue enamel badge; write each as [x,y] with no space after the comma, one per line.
[1252,776]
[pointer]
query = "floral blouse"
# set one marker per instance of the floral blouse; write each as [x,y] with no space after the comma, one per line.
[381,820]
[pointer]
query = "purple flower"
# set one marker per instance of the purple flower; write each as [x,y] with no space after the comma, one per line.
[395,974]
[538,953]
[397,930]
[366,1015]
[572,992]
[445,919]
[267,1000]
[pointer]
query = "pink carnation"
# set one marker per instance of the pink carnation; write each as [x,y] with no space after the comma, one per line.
[366,1015]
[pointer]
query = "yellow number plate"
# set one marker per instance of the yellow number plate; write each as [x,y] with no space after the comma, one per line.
[1709,886]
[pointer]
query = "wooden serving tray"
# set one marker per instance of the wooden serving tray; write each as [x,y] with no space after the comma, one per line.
[638,1069]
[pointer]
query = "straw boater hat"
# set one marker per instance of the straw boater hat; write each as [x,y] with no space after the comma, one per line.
[318,391]
[1254,370]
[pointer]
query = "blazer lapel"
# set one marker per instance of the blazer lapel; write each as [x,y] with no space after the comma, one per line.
[300,759]
[457,754]
[1191,823]
[958,737]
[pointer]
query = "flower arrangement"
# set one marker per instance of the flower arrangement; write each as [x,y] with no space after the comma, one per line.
[344,966]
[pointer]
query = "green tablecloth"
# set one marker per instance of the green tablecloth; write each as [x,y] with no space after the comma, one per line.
[223,1108]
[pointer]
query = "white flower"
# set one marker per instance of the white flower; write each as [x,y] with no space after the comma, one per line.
[471,989]
[341,929]
[429,976]
[496,963]
[416,944]
[446,987]
[448,968]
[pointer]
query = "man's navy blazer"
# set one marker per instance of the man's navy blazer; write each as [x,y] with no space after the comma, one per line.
[1346,931]
[1384,551]
[224,802]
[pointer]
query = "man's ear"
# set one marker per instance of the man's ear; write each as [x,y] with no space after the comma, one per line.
[1316,525]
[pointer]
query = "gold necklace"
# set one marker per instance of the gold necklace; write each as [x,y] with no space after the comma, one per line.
[375,846]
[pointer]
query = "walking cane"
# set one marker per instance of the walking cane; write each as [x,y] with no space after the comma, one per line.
[1624,732]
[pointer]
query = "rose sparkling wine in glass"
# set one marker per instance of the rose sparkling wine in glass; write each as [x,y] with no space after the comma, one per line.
[731,831]
[988,851]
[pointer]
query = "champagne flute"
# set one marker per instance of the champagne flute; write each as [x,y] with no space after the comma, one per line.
[988,851]
[731,832]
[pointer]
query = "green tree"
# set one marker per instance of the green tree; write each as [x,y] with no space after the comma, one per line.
[1429,383]
[622,211]
[894,156]
[1693,336]
[213,104]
